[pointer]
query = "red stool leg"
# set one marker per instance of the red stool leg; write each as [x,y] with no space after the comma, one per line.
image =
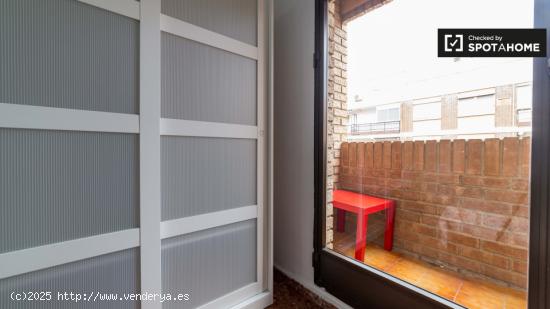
[388,233]
[361,236]
[341,217]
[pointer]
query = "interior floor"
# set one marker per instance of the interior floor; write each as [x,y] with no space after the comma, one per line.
[288,293]
[468,292]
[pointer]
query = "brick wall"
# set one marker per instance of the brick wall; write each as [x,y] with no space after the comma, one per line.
[460,204]
[337,115]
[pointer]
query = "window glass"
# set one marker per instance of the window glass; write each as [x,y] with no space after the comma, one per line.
[368,116]
[476,105]
[439,181]
[427,111]
[524,97]
[426,126]
[476,123]
[389,114]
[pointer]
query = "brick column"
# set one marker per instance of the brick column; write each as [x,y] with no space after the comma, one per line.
[406,117]
[504,106]
[449,112]
[337,115]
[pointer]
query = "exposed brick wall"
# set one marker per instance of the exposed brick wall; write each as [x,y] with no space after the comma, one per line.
[406,117]
[337,115]
[449,112]
[460,204]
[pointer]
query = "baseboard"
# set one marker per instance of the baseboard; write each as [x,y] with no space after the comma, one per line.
[259,301]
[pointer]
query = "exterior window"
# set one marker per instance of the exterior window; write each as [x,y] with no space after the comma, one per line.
[369,116]
[524,101]
[476,114]
[524,97]
[476,106]
[431,184]
[388,114]
[427,126]
[427,111]
[476,123]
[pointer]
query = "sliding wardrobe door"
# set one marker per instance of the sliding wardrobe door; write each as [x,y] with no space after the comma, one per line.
[212,150]
[133,152]
[69,154]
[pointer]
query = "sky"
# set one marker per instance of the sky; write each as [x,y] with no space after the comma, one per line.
[392,51]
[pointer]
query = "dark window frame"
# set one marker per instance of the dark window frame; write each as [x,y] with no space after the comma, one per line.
[539,233]
[362,287]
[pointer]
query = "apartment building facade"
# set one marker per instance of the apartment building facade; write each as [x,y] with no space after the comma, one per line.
[499,111]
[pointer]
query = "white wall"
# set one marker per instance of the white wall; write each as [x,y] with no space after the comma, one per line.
[293,158]
[293,142]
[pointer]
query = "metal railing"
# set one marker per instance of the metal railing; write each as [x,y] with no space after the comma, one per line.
[376,127]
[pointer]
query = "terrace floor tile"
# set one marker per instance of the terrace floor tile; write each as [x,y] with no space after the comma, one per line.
[469,292]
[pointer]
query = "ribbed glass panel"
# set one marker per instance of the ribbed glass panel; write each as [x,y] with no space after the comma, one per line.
[115,273]
[61,185]
[202,175]
[63,53]
[233,18]
[204,83]
[209,264]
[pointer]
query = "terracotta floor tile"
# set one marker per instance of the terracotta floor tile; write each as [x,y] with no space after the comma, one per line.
[471,293]
[343,242]
[379,258]
[516,299]
[476,295]
[408,270]
[441,282]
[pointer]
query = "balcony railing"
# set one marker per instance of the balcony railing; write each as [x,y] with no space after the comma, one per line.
[375,128]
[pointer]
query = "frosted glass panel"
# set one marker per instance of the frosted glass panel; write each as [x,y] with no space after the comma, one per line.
[207,84]
[60,185]
[63,53]
[115,273]
[201,175]
[209,264]
[233,18]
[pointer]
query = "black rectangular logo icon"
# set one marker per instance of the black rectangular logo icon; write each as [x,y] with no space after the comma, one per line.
[491,42]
